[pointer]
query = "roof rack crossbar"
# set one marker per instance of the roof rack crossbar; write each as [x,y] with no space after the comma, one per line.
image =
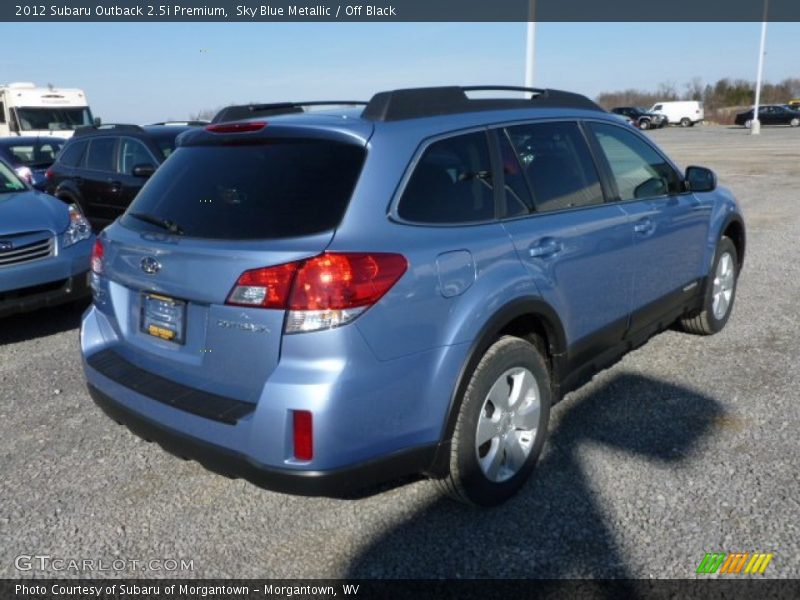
[414,103]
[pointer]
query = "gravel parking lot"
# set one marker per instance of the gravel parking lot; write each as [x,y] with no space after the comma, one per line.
[689,445]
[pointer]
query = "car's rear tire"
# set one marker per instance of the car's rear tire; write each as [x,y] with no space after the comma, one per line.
[719,294]
[748,123]
[686,122]
[501,426]
[644,124]
[794,122]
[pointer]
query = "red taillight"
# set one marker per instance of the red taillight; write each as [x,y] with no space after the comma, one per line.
[98,250]
[49,173]
[303,435]
[246,127]
[266,288]
[339,281]
[330,281]
[325,291]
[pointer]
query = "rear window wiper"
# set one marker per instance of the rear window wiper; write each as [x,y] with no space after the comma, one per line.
[170,226]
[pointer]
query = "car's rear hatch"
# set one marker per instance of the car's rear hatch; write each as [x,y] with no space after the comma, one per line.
[216,209]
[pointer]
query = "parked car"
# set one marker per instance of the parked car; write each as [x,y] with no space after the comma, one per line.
[44,248]
[624,119]
[769,114]
[102,168]
[685,113]
[642,118]
[324,301]
[30,157]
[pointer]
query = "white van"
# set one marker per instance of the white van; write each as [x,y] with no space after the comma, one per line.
[684,112]
[36,111]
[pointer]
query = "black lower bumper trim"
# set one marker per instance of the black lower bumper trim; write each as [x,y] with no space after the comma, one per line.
[334,483]
[41,296]
[198,402]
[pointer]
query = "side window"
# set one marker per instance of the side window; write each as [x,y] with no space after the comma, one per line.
[452,183]
[131,154]
[557,164]
[100,156]
[639,171]
[72,154]
[516,195]
[2,113]
[658,107]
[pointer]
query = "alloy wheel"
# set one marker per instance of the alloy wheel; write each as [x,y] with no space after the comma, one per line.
[508,424]
[724,280]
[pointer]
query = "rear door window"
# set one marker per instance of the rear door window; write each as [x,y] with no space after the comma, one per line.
[451,183]
[72,154]
[557,164]
[516,194]
[284,188]
[101,154]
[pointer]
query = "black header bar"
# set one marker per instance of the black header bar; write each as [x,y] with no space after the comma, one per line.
[679,11]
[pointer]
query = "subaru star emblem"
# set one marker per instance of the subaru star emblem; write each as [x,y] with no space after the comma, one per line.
[5,246]
[150,265]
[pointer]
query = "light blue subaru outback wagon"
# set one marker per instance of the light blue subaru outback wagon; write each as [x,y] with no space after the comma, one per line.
[343,296]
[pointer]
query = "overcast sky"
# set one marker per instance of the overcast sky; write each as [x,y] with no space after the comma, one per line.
[141,73]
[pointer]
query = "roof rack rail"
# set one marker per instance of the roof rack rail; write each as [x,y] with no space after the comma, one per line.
[247,111]
[116,127]
[414,103]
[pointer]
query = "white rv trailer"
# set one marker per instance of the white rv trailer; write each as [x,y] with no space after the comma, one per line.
[27,110]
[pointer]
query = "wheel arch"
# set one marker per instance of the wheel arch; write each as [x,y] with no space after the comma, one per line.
[529,318]
[66,193]
[733,228]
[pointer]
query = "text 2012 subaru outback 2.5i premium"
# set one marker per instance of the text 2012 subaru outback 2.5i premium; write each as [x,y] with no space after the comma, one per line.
[335,298]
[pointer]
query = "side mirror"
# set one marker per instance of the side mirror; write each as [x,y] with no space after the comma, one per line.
[97,121]
[700,179]
[143,170]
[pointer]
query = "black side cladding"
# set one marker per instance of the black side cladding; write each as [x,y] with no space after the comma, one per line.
[200,403]
[415,103]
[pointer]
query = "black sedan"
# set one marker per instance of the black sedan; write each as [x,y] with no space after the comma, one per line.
[641,118]
[31,156]
[770,114]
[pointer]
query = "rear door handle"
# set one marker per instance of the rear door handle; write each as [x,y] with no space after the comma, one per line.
[116,186]
[545,249]
[644,226]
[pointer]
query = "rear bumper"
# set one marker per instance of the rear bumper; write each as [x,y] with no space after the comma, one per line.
[335,482]
[43,295]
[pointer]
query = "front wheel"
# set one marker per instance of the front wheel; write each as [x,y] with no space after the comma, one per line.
[501,426]
[644,124]
[794,122]
[720,293]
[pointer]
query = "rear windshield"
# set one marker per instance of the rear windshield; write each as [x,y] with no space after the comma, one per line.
[282,189]
[35,155]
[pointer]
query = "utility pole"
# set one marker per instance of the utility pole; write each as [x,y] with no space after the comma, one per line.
[755,126]
[530,46]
